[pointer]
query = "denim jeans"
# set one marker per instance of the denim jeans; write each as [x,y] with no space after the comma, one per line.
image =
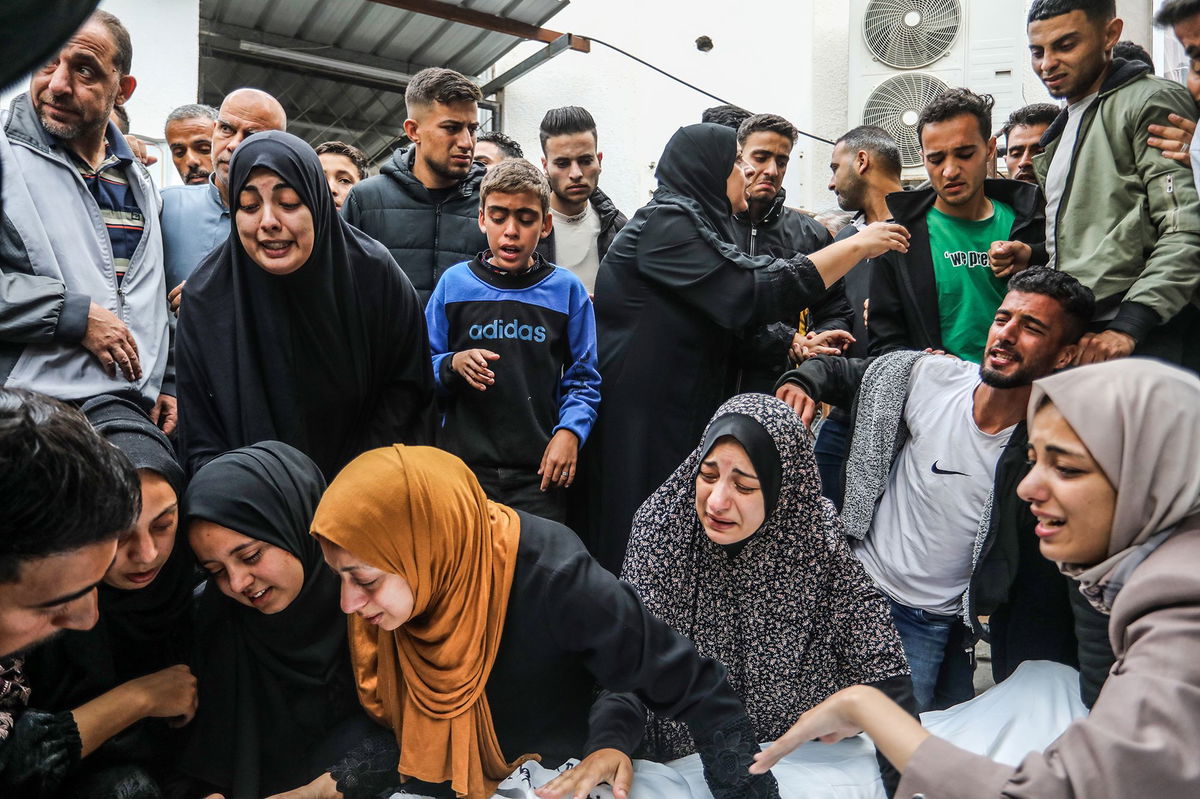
[936,648]
[830,450]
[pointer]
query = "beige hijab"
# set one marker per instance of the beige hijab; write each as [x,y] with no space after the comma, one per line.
[1140,419]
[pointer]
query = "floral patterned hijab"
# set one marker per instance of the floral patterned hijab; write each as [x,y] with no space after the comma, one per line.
[791,614]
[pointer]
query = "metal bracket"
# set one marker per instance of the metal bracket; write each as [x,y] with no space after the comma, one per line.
[561,44]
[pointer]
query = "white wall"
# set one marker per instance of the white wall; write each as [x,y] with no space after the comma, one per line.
[637,110]
[785,58]
[166,60]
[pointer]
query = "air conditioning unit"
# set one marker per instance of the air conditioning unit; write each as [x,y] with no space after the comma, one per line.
[904,53]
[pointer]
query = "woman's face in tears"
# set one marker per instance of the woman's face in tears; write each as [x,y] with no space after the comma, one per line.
[378,597]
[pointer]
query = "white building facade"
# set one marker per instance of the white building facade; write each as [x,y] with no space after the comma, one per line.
[802,59]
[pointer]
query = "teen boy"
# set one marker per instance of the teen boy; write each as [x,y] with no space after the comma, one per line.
[514,351]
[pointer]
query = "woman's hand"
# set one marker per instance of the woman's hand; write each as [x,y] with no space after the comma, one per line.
[850,711]
[880,237]
[830,722]
[323,787]
[604,765]
[170,693]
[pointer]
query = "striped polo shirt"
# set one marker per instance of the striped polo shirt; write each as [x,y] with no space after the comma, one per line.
[118,206]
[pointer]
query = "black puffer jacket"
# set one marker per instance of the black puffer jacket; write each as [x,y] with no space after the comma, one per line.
[425,237]
[611,222]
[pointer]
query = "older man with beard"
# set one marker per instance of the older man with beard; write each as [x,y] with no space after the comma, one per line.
[931,481]
[196,217]
[82,289]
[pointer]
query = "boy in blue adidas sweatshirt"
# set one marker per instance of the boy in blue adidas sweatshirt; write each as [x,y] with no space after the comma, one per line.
[514,351]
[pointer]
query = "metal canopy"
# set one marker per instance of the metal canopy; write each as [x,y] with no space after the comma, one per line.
[340,67]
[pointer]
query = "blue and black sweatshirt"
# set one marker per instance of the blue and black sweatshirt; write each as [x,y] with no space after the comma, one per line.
[542,326]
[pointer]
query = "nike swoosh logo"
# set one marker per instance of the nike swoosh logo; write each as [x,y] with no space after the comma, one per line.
[936,470]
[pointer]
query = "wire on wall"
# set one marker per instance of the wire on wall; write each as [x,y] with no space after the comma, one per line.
[691,86]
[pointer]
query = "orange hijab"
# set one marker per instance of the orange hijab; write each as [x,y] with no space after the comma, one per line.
[419,512]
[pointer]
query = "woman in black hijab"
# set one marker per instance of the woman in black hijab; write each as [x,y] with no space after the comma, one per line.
[87,684]
[673,297]
[277,699]
[299,328]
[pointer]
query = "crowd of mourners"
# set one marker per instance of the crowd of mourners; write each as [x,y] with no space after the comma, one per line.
[321,484]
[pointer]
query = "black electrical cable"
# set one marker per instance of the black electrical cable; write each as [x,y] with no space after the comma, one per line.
[661,71]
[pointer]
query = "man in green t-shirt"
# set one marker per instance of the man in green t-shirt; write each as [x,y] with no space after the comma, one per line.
[968,294]
[943,294]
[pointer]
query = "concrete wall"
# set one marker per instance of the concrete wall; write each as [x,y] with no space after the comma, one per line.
[166,59]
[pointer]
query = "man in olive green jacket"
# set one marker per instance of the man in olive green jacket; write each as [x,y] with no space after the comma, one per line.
[1121,218]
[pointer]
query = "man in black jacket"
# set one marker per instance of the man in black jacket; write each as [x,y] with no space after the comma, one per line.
[585,220]
[1032,616]
[770,227]
[865,169]
[424,203]
[942,294]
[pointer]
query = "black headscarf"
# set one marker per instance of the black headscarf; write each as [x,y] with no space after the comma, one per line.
[759,446]
[791,613]
[139,631]
[270,686]
[695,166]
[332,358]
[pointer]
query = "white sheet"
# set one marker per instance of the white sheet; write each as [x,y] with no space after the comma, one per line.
[1024,713]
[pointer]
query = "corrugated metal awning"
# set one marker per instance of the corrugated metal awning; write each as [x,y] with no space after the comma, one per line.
[340,66]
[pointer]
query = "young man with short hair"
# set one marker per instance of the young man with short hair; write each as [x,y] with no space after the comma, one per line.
[1130,50]
[492,147]
[1144,267]
[585,220]
[189,132]
[864,169]
[514,351]
[731,116]
[424,203]
[344,166]
[1023,136]
[942,295]
[768,226]
[930,504]
[66,495]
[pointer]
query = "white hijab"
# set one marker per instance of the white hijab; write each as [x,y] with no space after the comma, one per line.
[1140,419]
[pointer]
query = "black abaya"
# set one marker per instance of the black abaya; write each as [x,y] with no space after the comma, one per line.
[271,688]
[672,296]
[332,358]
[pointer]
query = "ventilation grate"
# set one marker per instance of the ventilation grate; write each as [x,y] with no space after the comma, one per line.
[896,105]
[909,34]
